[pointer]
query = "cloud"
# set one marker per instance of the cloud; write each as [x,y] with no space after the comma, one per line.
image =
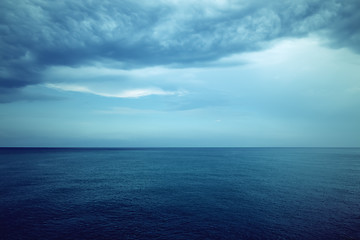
[132,93]
[37,35]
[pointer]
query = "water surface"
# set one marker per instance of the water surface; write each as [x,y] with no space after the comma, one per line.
[180,193]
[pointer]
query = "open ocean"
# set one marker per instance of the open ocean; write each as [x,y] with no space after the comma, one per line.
[180,193]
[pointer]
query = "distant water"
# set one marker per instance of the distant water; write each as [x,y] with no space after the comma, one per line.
[180,193]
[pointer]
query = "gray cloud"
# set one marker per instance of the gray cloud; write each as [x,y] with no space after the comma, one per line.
[38,34]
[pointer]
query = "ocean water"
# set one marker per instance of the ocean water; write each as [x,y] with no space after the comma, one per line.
[180,193]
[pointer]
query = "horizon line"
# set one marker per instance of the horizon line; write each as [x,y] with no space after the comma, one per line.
[158,147]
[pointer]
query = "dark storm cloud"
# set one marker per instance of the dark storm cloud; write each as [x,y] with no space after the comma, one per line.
[345,30]
[37,34]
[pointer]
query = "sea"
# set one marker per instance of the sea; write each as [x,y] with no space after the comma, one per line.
[179,193]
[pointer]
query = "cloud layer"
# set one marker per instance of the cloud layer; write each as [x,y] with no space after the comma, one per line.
[131,93]
[36,34]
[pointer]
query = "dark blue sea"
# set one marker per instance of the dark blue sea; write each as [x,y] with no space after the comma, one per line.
[180,193]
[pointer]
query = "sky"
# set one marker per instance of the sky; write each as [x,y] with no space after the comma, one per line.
[171,73]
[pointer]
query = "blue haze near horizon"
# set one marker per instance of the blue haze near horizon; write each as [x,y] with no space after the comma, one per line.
[180,193]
